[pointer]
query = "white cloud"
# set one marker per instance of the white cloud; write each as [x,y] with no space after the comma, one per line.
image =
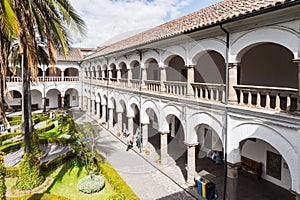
[115,18]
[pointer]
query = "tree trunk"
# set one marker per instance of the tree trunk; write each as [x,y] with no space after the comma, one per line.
[25,102]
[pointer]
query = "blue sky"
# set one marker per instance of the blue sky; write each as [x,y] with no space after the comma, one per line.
[111,20]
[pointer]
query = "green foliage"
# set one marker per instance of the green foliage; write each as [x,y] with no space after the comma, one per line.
[15,122]
[60,141]
[55,162]
[44,196]
[30,175]
[6,136]
[90,184]
[116,196]
[2,177]
[35,145]
[12,147]
[46,128]
[13,118]
[66,124]
[12,172]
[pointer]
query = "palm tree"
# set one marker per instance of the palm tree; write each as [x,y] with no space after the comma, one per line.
[9,27]
[49,22]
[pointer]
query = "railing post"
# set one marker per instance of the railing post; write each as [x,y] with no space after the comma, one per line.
[277,103]
[258,99]
[232,73]
[163,77]
[190,79]
[268,100]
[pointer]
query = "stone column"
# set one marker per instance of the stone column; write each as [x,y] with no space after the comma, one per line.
[92,107]
[118,76]
[44,75]
[104,112]
[190,79]
[232,73]
[232,182]
[109,76]
[44,104]
[144,78]
[98,109]
[130,125]
[191,164]
[129,78]
[298,94]
[62,75]
[120,122]
[110,117]
[164,148]
[62,101]
[102,75]
[163,77]
[145,134]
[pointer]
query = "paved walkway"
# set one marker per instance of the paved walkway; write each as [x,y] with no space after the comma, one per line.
[146,180]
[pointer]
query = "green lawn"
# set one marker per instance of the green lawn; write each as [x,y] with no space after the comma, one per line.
[65,183]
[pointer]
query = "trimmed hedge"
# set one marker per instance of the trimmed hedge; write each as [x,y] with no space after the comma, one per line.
[44,196]
[115,180]
[12,172]
[12,147]
[13,118]
[15,122]
[55,162]
[46,128]
[6,136]
[59,141]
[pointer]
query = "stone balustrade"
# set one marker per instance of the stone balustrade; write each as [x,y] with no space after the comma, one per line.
[153,86]
[135,83]
[176,88]
[280,99]
[212,92]
[123,82]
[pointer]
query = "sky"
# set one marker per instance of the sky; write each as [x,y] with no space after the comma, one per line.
[112,20]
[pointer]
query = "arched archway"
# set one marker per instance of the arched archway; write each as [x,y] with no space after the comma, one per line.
[71,98]
[36,99]
[153,71]
[176,70]
[135,68]
[53,98]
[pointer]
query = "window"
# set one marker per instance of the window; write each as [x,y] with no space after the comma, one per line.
[274,165]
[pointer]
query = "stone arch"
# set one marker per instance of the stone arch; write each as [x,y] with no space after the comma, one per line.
[173,51]
[170,110]
[132,100]
[146,105]
[119,98]
[277,141]
[203,118]
[216,45]
[280,36]
[151,55]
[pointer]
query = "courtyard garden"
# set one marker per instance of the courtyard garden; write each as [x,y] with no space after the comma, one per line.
[71,168]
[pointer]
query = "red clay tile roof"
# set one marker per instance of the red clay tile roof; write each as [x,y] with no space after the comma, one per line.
[225,10]
[73,55]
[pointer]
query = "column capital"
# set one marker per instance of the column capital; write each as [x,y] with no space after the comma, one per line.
[163,132]
[233,65]
[297,61]
[190,66]
[145,123]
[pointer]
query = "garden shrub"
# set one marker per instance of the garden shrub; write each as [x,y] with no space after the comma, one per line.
[2,177]
[46,128]
[12,147]
[55,162]
[90,184]
[59,141]
[35,145]
[116,196]
[12,172]
[6,136]
[30,175]
[15,122]
[12,118]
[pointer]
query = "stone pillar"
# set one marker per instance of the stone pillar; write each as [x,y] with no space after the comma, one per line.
[62,101]
[164,148]
[298,94]
[144,78]
[44,75]
[120,122]
[110,117]
[232,182]
[104,112]
[118,76]
[102,75]
[92,107]
[130,125]
[191,164]
[44,104]
[62,75]
[129,78]
[163,77]
[98,109]
[232,73]
[109,76]
[145,134]
[190,79]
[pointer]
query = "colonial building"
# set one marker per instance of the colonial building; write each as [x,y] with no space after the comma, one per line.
[223,79]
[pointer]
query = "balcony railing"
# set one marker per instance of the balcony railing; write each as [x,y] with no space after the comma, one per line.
[153,86]
[176,88]
[267,97]
[47,79]
[212,92]
[135,83]
[123,82]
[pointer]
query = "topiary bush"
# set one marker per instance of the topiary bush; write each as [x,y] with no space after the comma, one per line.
[35,145]
[2,177]
[116,197]
[90,184]
[30,175]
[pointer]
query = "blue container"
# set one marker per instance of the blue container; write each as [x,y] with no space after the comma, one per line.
[199,183]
